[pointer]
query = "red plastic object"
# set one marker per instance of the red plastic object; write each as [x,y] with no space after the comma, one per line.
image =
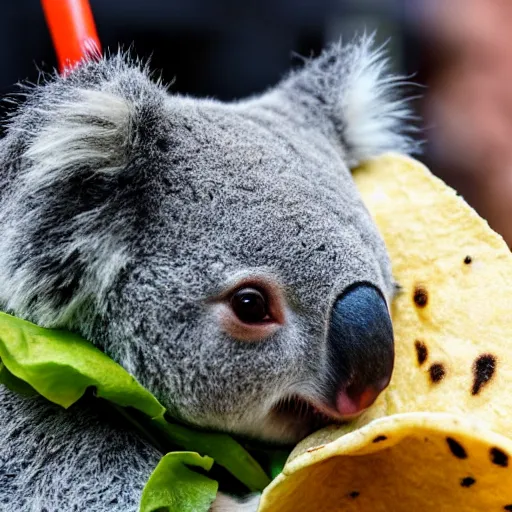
[73,31]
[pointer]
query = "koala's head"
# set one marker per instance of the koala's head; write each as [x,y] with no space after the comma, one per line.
[219,252]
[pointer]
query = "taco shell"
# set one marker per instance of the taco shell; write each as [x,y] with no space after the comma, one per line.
[439,438]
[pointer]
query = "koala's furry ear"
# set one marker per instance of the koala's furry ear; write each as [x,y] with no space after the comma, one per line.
[351,87]
[73,179]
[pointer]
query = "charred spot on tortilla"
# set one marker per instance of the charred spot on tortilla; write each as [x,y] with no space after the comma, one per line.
[467,481]
[483,371]
[315,448]
[421,351]
[378,439]
[354,494]
[437,373]
[468,259]
[456,448]
[499,457]
[420,296]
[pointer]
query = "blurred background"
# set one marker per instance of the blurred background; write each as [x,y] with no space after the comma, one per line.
[458,51]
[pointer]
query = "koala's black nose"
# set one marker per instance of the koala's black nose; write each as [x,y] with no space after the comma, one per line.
[361,349]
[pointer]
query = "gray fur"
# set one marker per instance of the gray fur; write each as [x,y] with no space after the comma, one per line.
[124,210]
[41,470]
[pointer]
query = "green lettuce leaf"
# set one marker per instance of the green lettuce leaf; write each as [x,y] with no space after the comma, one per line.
[277,462]
[226,452]
[173,487]
[13,383]
[61,366]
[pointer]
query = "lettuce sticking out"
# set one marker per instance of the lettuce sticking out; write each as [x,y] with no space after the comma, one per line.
[173,487]
[226,452]
[62,366]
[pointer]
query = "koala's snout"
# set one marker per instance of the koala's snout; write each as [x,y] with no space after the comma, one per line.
[361,348]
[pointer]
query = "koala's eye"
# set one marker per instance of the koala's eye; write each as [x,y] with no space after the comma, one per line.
[251,309]
[250,305]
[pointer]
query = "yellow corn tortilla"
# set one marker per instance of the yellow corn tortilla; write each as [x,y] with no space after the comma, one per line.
[439,438]
[427,462]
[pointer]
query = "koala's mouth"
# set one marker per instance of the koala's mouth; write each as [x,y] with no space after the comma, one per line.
[303,416]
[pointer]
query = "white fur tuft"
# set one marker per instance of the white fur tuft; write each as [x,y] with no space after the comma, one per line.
[375,118]
[92,131]
[349,93]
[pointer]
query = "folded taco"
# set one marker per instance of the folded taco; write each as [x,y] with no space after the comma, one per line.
[439,439]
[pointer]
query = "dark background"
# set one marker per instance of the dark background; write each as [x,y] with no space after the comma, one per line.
[227,49]
[224,49]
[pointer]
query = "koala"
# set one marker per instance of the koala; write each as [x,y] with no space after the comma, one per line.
[219,252]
